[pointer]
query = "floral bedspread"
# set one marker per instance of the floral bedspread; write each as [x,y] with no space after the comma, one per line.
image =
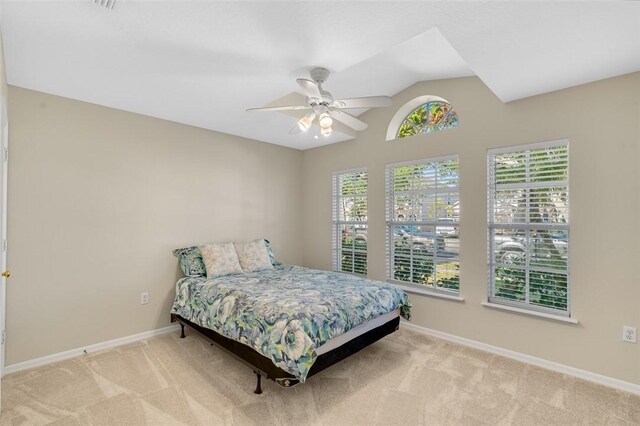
[287,312]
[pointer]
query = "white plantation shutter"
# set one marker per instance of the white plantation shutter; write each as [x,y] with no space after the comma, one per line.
[528,215]
[350,217]
[423,213]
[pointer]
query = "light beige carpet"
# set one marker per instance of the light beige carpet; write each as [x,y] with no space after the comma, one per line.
[404,379]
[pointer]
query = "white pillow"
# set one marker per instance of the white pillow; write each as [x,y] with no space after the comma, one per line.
[253,256]
[220,259]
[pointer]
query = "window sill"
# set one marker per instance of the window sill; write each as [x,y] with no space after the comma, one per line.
[355,274]
[528,312]
[426,292]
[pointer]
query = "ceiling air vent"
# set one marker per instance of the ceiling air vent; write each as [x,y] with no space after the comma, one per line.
[104,3]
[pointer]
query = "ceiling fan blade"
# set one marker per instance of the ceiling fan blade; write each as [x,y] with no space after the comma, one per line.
[310,88]
[348,119]
[366,102]
[280,108]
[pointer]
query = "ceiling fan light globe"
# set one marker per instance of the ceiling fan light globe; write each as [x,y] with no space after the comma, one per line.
[305,122]
[326,131]
[325,120]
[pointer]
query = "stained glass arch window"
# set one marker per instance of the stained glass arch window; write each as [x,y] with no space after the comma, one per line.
[424,114]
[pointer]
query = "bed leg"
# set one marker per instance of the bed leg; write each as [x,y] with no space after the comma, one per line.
[258,388]
[182,335]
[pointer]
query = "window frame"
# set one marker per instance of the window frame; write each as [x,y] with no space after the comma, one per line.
[527,226]
[390,223]
[337,247]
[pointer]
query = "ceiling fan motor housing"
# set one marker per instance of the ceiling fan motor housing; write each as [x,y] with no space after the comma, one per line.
[319,75]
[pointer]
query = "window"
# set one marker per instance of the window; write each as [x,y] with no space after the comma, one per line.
[528,215]
[350,221]
[424,114]
[428,118]
[423,210]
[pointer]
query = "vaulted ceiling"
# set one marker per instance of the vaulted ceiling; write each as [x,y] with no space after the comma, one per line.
[204,63]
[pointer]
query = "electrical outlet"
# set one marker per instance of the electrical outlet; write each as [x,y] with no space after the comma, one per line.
[144,298]
[629,334]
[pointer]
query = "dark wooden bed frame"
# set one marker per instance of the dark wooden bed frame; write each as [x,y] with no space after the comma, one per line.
[263,366]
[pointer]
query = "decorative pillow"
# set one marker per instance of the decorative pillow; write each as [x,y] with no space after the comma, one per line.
[253,256]
[220,259]
[191,261]
[272,256]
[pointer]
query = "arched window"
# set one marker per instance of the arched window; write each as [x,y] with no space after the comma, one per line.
[424,114]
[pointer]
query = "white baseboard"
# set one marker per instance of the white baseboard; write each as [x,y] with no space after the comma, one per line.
[518,356]
[60,356]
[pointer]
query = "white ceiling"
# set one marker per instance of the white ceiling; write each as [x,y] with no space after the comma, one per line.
[204,63]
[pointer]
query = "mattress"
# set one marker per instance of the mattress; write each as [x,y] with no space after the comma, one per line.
[340,340]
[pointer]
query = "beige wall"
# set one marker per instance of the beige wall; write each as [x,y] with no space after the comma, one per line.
[601,122]
[98,198]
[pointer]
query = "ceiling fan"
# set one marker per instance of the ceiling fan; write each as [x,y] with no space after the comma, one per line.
[325,107]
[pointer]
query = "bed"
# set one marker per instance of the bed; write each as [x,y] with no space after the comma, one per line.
[289,323]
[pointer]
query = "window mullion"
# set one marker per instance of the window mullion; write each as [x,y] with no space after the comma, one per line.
[527,233]
[527,271]
[436,216]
